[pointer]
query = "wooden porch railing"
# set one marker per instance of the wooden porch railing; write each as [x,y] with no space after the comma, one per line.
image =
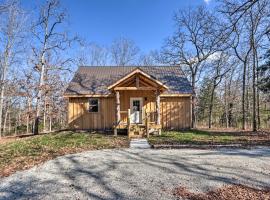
[148,118]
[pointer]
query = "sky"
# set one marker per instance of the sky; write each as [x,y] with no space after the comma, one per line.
[147,22]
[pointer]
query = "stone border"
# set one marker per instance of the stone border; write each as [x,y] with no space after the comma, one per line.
[204,146]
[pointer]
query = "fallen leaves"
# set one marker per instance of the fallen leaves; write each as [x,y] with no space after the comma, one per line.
[229,192]
[23,154]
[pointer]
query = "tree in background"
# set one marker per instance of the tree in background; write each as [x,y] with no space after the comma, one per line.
[150,59]
[11,37]
[50,43]
[124,52]
[264,75]
[93,54]
[207,99]
[196,38]
[35,63]
[220,66]
[248,22]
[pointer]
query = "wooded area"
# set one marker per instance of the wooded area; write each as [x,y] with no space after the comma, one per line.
[223,51]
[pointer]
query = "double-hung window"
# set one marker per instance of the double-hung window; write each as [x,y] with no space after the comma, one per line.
[93,105]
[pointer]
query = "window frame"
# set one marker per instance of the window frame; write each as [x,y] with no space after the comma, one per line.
[98,105]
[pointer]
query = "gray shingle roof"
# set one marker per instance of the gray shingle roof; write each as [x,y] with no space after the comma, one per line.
[95,80]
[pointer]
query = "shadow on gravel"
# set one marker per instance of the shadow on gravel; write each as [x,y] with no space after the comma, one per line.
[76,175]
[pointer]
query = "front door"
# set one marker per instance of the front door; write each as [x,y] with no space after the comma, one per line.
[136,110]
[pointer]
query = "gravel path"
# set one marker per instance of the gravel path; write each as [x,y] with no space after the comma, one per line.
[137,174]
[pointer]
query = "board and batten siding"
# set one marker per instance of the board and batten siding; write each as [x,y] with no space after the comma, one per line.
[148,98]
[175,111]
[80,118]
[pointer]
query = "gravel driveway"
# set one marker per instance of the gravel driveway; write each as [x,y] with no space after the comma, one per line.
[137,174]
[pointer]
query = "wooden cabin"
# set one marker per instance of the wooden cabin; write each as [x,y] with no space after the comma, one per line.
[141,100]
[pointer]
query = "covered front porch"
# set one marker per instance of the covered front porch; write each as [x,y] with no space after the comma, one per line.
[137,98]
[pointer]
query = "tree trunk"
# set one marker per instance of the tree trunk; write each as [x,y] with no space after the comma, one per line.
[254,93]
[1,108]
[50,124]
[243,97]
[230,105]
[27,124]
[230,117]
[3,78]
[9,123]
[5,121]
[44,116]
[258,93]
[19,117]
[226,105]
[16,123]
[211,107]
[39,95]
[258,110]
[193,99]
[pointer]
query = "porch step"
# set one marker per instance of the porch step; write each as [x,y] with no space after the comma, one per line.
[137,131]
[139,144]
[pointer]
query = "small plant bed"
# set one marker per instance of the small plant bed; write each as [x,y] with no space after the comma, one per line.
[229,192]
[27,152]
[206,138]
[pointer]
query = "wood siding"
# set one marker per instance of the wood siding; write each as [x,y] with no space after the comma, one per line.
[148,102]
[80,118]
[175,111]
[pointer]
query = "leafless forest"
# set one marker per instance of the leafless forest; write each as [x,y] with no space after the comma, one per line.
[224,52]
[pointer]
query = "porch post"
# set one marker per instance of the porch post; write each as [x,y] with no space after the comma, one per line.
[118,117]
[158,109]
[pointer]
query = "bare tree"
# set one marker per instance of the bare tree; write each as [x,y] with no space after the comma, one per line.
[249,22]
[238,9]
[150,59]
[93,54]
[259,26]
[11,33]
[242,52]
[220,69]
[196,38]
[124,52]
[49,40]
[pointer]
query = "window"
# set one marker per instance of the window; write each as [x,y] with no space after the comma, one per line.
[93,105]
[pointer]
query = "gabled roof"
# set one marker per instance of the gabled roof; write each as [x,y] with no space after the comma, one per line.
[96,80]
[134,72]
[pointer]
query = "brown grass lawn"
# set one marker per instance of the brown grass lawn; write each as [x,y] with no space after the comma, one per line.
[213,137]
[23,153]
